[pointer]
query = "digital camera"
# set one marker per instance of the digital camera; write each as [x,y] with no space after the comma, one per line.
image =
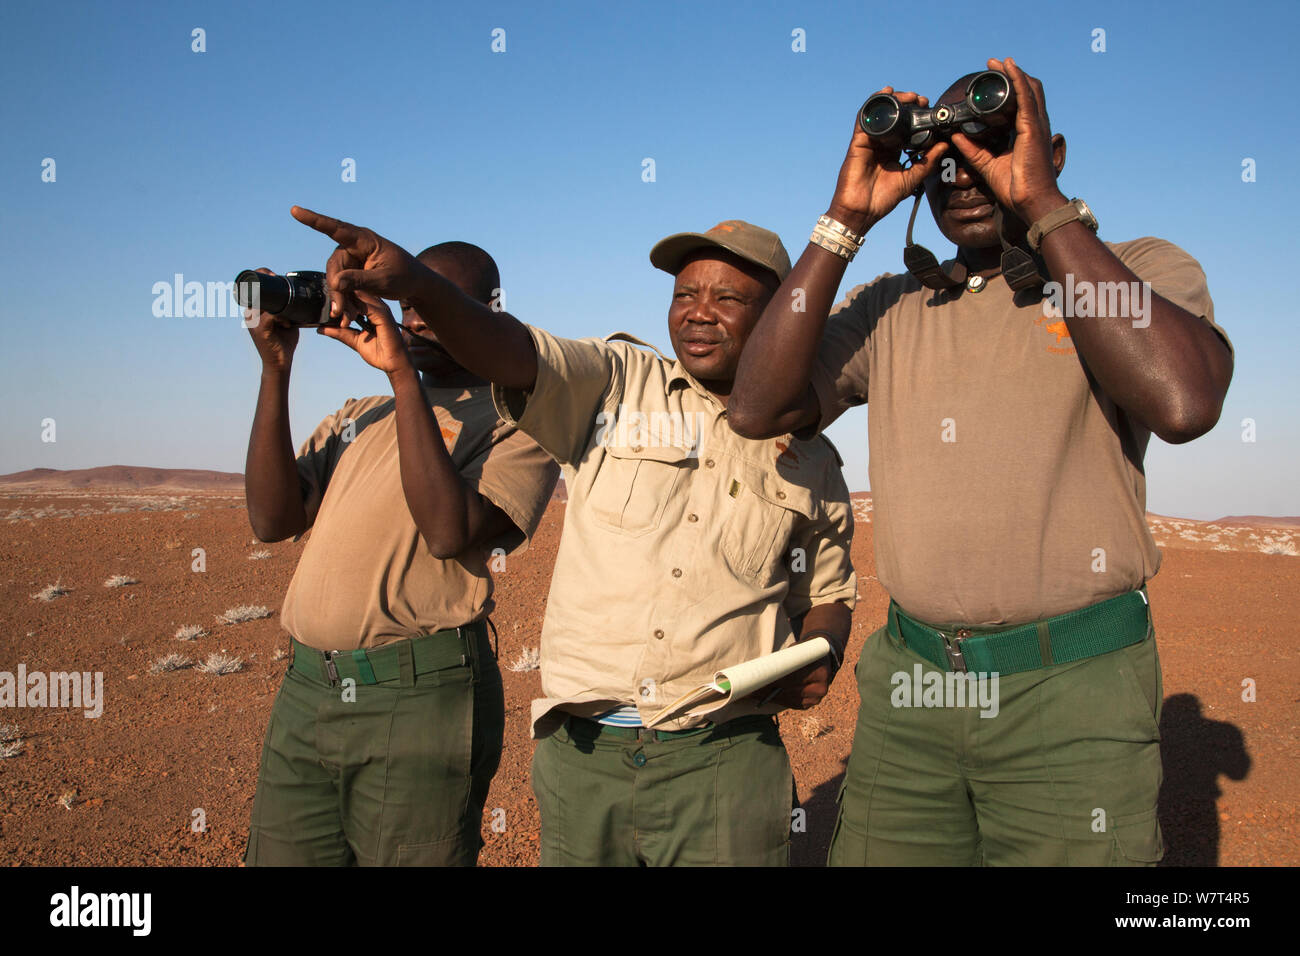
[295,298]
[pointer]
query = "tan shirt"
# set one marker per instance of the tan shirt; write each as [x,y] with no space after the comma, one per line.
[366,577]
[1007,487]
[686,548]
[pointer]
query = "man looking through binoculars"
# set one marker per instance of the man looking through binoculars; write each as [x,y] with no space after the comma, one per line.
[1007,434]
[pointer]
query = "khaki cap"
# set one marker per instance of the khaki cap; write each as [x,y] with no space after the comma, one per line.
[752,243]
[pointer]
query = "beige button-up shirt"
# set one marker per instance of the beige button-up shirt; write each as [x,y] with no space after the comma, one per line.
[686,547]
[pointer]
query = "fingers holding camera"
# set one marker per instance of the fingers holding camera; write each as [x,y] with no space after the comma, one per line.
[383,348]
[343,304]
[364,261]
[353,247]
[274,340]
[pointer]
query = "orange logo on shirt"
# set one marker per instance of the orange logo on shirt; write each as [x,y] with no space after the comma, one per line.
[1060,330]
[450,432]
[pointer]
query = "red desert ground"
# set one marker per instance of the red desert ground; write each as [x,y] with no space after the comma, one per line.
[98,570]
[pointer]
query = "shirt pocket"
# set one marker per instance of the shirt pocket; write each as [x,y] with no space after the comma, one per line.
[634,485]
[763,509]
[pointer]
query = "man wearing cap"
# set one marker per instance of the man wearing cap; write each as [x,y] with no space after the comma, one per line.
[387,729]
[1007,432]
[686,549]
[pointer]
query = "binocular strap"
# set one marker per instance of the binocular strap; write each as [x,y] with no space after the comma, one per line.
[1019,268]
[921,262]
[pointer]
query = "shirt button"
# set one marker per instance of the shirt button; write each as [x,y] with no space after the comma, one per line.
[639,758]
[636,449]
[708,463]
[659,635]
[677,572]
[781,495]
[692,517]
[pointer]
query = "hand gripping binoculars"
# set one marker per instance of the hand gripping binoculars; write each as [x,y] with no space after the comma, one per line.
[990,105]
[986,114]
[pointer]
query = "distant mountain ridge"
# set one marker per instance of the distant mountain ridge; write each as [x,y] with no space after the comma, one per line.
[141,479]
[1257,520]
[123,478]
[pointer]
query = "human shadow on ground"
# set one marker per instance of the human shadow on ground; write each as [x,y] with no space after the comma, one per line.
[1195,750]
[809,848]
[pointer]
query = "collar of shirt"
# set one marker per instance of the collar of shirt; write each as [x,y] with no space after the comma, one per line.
[677,371]
[678,374]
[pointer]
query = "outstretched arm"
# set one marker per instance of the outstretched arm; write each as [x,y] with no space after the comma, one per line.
[493,345]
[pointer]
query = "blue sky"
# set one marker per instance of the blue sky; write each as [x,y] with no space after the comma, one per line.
[171,161]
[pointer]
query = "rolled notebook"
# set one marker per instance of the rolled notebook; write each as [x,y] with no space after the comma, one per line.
[741,680]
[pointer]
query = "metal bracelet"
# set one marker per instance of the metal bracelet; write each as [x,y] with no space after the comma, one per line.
[835,244]
[840,229]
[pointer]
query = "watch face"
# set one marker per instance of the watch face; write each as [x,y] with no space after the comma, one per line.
[1085,214]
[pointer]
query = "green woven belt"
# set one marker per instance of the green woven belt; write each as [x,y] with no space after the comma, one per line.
[430,652]
[1087,632]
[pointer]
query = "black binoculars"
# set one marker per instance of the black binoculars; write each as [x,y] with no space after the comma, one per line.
[295,298]
[990,105]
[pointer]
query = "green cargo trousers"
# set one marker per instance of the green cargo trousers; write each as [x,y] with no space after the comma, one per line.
[1066,773]
[395,777]
[719,797]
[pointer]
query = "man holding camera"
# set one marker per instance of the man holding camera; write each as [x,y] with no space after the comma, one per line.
[686,549]
[1008,428]
[387,730]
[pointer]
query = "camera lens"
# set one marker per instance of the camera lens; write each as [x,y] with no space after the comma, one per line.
[295,298]
[988,92]
[879,115]
[269,293]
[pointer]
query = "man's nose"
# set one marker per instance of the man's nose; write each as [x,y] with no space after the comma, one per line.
[962,177]
[701,313]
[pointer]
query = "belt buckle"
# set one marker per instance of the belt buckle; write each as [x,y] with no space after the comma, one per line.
[330,667]
[952,647]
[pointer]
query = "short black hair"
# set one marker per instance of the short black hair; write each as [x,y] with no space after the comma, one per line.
[478,268]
